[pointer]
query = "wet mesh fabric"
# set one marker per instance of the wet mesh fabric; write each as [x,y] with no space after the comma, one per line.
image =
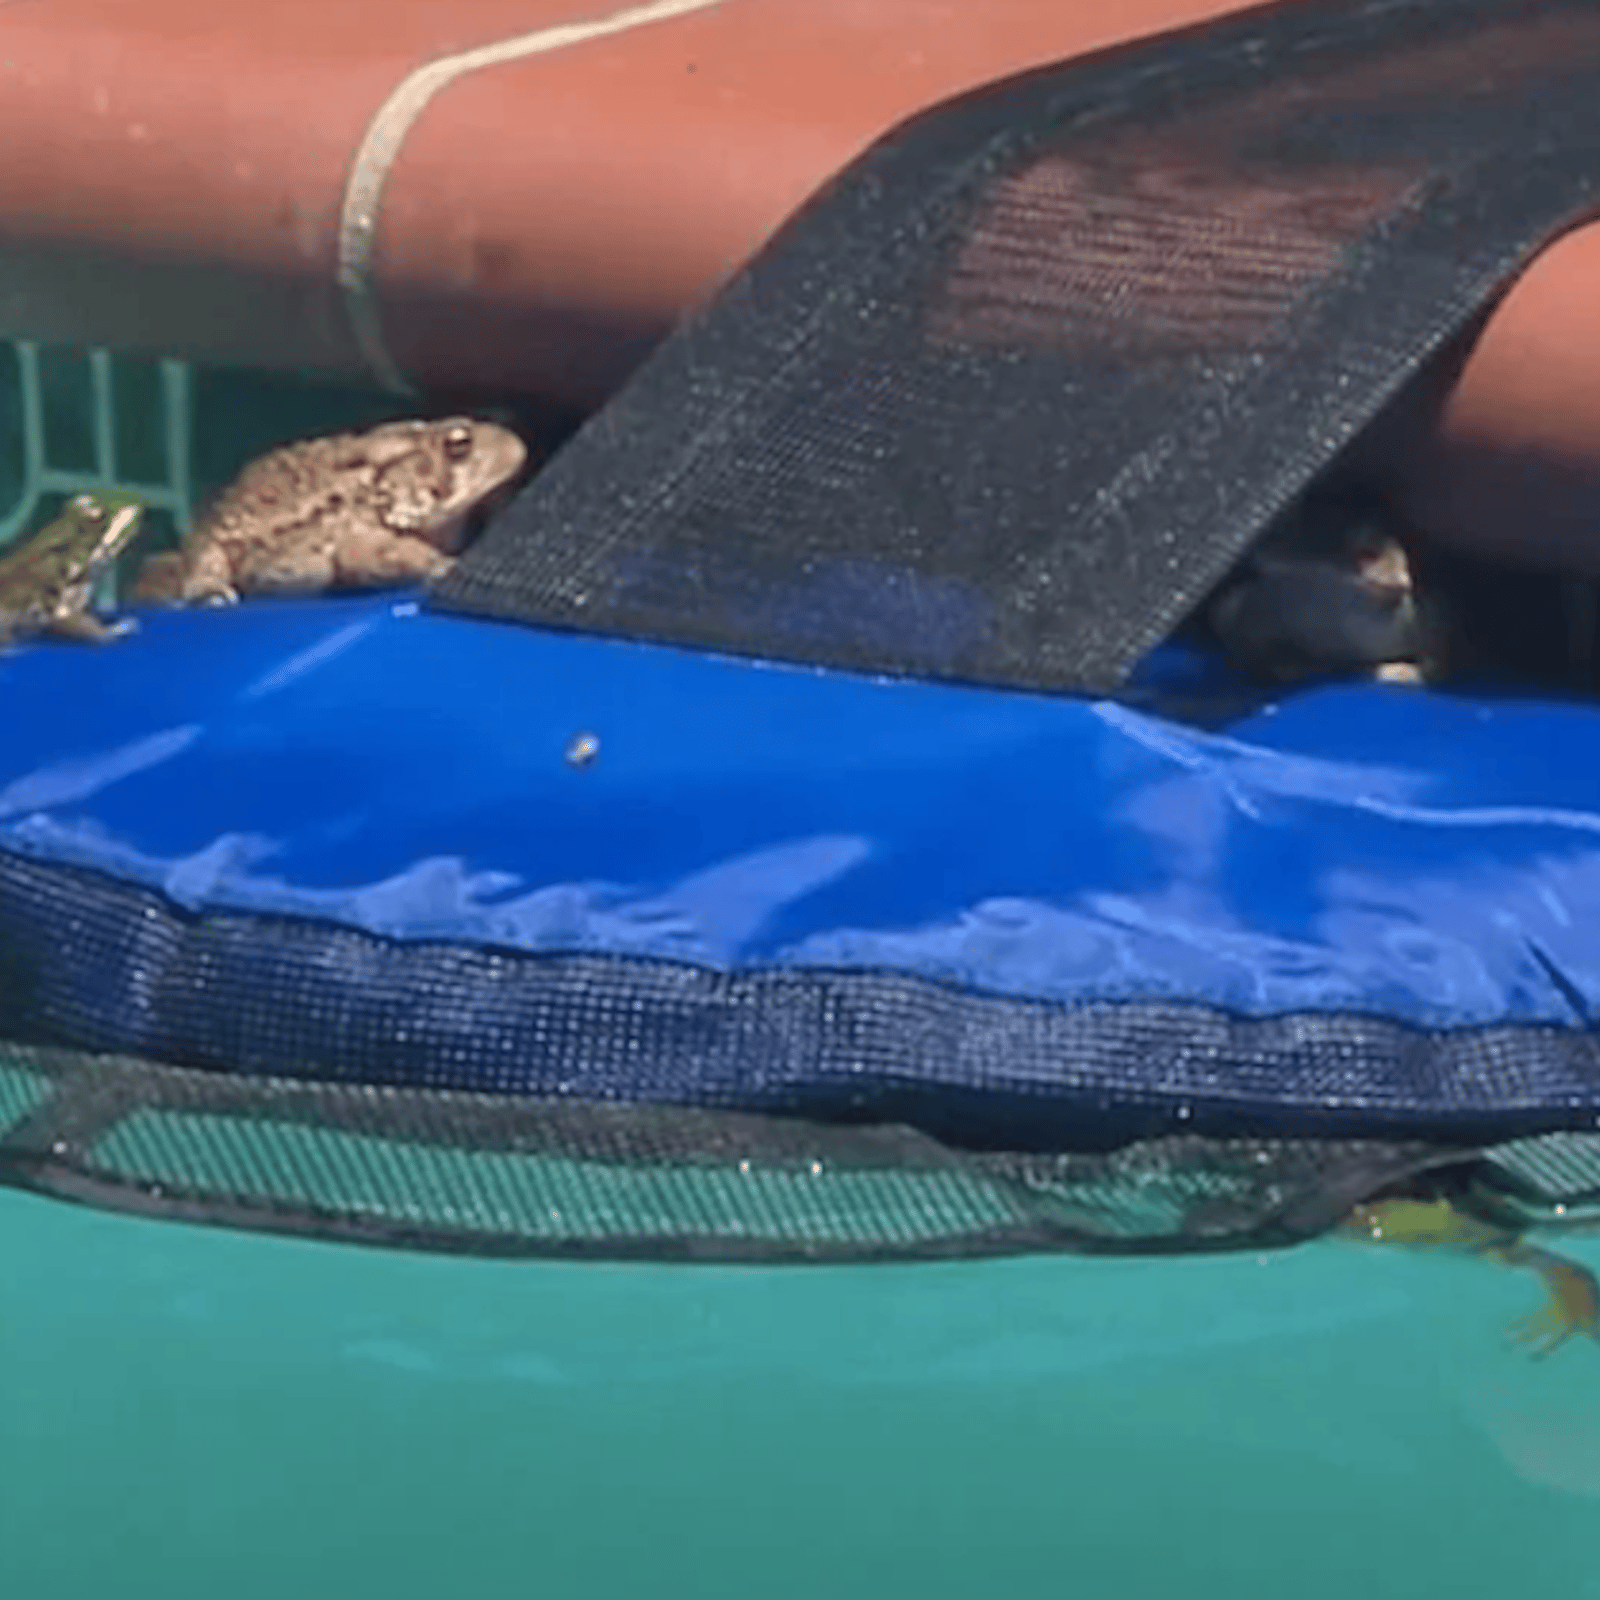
[1005,401]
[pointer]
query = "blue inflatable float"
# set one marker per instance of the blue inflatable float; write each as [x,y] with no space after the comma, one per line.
[769,841]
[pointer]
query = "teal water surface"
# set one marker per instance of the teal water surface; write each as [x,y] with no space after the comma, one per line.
[204,1416]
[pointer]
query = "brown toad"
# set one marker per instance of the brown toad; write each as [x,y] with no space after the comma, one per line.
[348,511]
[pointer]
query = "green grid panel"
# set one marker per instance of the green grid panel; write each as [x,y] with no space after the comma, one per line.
[21,1093]
[504,1194]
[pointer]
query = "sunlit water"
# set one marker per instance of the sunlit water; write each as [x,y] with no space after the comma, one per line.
[203,1416]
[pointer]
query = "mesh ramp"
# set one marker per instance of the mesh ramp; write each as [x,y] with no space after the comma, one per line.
[1005,401]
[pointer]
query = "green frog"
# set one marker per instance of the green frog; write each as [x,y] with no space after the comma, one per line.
[1573,1307]
[47,583]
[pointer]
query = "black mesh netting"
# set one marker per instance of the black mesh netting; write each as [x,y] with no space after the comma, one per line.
[503,1175]
[1005,401]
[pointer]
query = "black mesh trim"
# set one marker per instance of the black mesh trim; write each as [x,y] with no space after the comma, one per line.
[92,963]
[1005,401]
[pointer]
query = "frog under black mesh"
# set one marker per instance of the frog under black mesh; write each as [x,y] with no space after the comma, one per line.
[1005,401]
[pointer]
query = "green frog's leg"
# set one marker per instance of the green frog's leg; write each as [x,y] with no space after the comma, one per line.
[83,627]
[1574,1304]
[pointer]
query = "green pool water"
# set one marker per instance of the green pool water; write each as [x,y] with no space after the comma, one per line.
[198,1415]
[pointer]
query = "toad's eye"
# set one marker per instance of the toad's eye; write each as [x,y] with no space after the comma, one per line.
[458,442]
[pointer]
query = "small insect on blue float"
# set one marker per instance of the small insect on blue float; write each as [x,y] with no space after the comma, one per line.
[810,823]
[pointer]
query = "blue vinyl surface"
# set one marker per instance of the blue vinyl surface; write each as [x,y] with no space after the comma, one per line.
[1430,858]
